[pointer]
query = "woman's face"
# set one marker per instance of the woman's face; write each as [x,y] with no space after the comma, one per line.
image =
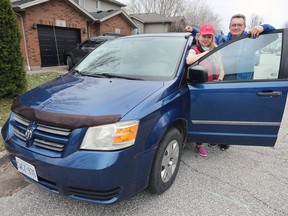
[205,40]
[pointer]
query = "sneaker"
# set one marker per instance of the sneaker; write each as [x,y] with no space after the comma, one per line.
[224,147]
[201,150]
[212,145]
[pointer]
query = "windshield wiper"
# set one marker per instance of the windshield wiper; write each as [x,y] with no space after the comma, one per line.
[78,72]
[81,73]
[107,75]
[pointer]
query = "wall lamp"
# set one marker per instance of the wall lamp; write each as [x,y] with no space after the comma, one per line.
[34,26]
[84,31]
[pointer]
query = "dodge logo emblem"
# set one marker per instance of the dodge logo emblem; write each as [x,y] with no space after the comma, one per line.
[28,133]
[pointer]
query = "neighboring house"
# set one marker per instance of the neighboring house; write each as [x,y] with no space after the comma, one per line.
[49,27]
[178,24]
[156,23]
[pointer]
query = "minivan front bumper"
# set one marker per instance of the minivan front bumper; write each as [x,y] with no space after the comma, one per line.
[100,177]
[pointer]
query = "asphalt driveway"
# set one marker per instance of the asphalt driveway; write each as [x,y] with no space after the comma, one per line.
[241,181]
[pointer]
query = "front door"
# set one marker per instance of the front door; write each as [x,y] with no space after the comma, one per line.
[246,107]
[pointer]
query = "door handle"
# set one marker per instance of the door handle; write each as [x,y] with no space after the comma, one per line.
[269,93]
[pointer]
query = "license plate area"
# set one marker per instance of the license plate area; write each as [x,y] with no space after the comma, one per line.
[26,168]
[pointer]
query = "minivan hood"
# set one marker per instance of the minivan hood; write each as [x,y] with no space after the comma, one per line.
[85,96]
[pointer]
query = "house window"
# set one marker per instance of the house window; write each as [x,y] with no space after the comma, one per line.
[97,4]
[81,3]
[117,30]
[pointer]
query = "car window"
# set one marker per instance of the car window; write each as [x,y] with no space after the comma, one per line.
[87,44]
[248,59]
[98,42]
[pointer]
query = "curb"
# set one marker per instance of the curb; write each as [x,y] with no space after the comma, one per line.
[54,69]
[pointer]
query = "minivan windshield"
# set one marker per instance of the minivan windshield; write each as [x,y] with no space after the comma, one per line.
[145,58]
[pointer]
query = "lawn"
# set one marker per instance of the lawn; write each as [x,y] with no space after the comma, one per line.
[5,103]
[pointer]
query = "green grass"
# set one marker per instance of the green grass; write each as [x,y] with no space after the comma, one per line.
[5,103]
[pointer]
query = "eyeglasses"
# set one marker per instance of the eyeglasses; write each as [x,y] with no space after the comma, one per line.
[237,25]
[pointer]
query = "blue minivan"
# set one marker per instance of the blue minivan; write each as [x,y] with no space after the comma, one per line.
[117,123]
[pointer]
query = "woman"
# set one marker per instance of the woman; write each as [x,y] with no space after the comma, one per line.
[205,42]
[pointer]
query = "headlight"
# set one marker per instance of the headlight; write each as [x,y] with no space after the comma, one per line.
[111,137]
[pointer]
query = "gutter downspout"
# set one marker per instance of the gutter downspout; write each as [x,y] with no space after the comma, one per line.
[25,44]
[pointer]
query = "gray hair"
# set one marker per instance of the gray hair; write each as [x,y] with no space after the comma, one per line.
[239,16]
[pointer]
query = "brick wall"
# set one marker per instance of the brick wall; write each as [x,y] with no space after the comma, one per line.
[110,25]
[46,14]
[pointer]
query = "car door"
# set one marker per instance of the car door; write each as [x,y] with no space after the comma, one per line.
[245,108]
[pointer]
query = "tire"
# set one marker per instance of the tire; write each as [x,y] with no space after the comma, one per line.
[69,63]
[166,162]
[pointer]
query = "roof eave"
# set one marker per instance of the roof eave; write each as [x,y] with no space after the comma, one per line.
[117,13]
[137,18]
[22,7]
[29,4]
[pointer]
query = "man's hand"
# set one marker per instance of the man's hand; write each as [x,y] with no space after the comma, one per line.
[255,31]
[188,29]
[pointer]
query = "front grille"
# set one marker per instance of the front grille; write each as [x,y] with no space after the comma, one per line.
[44,136]
[49,145]
[94,195]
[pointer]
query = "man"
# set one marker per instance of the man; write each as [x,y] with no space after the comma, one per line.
[236,28]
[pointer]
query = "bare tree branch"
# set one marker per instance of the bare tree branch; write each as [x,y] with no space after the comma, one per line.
[254,21]
[199,12]
[163,7]
[196,12]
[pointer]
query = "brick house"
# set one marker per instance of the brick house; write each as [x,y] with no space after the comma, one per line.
[48,27]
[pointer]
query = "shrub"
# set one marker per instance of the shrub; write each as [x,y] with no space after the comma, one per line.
[12,72]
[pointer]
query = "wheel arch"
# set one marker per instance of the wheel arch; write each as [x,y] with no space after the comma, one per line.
[164,124]
[69,55]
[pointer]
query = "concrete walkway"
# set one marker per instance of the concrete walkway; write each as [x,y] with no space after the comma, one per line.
[59,69]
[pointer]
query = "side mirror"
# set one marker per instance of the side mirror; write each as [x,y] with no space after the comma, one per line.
[197,74]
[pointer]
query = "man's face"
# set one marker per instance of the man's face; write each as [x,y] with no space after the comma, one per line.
[237,26]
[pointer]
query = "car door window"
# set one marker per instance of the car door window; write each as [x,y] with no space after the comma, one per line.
[98,42]
[88,45]
[248,58]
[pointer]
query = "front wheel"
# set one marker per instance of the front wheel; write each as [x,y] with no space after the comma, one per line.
[166,162]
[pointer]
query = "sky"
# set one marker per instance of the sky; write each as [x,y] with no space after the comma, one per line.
[273,12]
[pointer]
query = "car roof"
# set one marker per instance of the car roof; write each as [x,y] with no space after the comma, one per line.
[103,38]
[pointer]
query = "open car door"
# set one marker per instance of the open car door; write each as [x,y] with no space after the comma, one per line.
[246,107]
